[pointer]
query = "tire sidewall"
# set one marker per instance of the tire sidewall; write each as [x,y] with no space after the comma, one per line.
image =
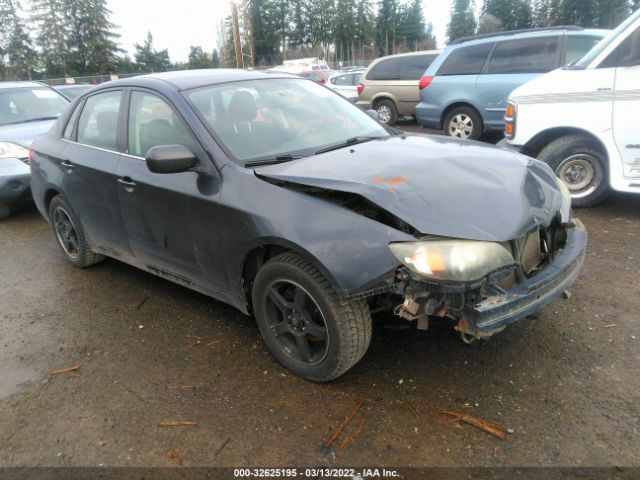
[558,155]
[476,133]
[394,112]
[282,271]
[60,202]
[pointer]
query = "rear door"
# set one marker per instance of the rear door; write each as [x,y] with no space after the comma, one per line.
[89,160]
[626,103]
[511,64]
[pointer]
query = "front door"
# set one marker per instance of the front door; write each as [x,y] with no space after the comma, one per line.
[170,218]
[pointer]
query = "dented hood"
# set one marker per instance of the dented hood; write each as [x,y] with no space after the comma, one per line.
[437,185]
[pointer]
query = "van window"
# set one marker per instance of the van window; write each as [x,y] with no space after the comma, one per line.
[527,55]
[466,60]
[385,70]
[413,67]
[627,54]
[577,47]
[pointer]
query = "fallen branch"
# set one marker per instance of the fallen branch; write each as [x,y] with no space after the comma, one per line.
[65,370]
[141,303]
[489,427]
[195,339]
[178,424]
[344,423]
[172,454]
[351,438]
[413,409]
[213,342]
[221,447]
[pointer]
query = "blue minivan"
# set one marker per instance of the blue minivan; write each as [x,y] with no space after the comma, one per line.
[465,90]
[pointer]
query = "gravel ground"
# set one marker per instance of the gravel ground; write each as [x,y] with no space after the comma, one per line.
[565,384]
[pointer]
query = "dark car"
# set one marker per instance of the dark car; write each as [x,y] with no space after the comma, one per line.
[27,109]
[271,193]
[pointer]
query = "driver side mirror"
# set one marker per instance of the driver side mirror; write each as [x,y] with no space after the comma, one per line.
[373,114]
[170,159]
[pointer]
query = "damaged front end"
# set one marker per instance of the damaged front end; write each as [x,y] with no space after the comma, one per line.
[484,286]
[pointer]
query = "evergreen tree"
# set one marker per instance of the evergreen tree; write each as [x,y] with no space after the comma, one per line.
[386,27]
[198,58]
[215,59]
[149,59]
[512,14]
[463,20]
[48,17]
[20,53]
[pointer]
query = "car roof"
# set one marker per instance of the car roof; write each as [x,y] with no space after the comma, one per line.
[21,85]
[528,33]
[188,79]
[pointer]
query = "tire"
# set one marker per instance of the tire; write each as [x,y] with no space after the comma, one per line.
[336,332]
[5,210]
[582,165]
[387,112]
[464,123]
[70,235]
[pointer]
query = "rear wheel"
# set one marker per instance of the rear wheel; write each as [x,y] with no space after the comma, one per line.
[387,112]
[4,210]
[305,324]
[463,122]
[582,165]
[70,235]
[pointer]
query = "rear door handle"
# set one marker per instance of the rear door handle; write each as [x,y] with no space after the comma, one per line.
[67,164]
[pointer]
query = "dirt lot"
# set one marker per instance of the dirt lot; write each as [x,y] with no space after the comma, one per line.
[565,384]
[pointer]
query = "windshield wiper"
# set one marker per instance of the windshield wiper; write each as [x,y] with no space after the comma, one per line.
[38,119]
[273,160]
[347,143]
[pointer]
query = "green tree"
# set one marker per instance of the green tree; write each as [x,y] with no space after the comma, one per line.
[463,20]
[48,17]
[20,53]
[198,58]
[215,59]
[149,59]
[512,14]
[386,24]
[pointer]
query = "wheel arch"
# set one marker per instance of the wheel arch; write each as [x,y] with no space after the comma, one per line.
[49,194]
[534,146]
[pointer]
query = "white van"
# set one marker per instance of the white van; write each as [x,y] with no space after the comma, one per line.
[582,119]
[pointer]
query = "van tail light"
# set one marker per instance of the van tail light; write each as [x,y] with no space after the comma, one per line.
[360,88]
[425,82]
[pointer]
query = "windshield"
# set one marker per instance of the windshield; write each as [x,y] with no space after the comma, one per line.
[261,119]
[585,61]
[19,105]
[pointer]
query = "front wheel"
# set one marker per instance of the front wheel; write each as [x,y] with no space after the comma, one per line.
[303,321]
[463,122]
[582,165]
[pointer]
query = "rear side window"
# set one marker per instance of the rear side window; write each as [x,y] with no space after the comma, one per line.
[577,47]
[98,124]
[342,80]
[466,60]
[385,70]
[527,55]
[413,67]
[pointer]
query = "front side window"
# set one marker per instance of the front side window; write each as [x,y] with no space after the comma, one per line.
[152,122]
[267,118]
[18,105]
[627,54]
[466,60]
[98,123]
[577,47]
[528,55]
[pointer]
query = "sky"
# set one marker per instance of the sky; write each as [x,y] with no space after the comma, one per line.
[177,25]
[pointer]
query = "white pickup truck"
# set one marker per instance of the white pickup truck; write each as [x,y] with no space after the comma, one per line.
[584,120]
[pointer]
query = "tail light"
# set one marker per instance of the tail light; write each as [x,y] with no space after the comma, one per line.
[425,82]
[360,88]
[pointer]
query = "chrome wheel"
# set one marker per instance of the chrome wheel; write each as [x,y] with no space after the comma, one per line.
[461,126]
[296,322]
[581,173]
[384,113]
[66,232]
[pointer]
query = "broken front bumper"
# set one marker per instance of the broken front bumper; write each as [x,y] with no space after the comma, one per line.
[494,313]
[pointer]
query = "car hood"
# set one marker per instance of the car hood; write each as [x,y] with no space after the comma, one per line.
[439,186]
[24,133]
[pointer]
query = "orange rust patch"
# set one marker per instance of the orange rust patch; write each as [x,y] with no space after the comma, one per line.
[392,182]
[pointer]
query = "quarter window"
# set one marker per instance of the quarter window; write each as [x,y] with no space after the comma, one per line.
[152,122]
[529,55]
[414,66]
[466,60]
[98,125]
[385,70]
[68,130]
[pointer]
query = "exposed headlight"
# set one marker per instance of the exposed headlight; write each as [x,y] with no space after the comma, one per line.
[452,260]
[8,149]
[566,201]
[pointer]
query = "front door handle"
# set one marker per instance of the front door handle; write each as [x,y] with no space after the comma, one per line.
[129,185]
[67,164]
